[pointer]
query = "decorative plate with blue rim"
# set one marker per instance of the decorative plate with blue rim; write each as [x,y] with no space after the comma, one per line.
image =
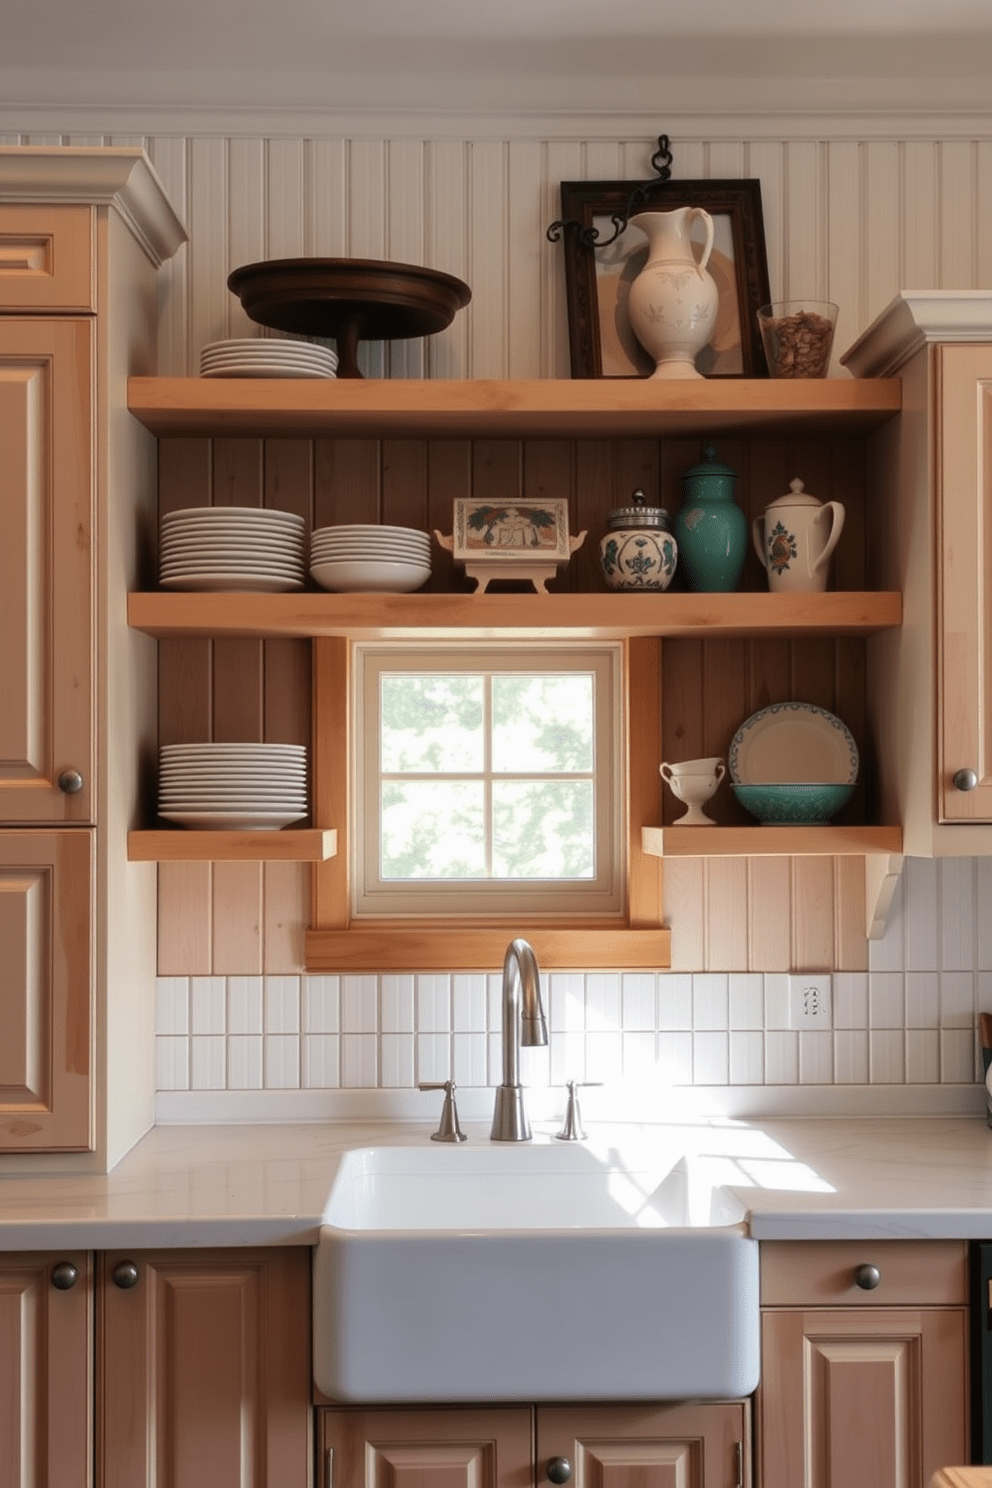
[789,742]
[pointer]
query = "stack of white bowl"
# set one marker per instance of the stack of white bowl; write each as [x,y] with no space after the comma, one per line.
[264,356]
[232,786]
[357,557]
[232,548]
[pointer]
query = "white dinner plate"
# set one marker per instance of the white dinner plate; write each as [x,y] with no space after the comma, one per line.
[230,584]
[790,742]
[252,516]
[233,821]
[263,369]
[232,746]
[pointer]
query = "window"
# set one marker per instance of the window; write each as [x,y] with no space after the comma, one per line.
[488,781]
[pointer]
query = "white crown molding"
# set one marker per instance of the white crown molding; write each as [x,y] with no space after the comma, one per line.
[916,318]
[726,125]
[119,177]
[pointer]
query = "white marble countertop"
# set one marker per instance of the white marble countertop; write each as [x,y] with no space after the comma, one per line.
[268,1184]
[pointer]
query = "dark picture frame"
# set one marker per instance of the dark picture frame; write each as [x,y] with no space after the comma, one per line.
[597,279]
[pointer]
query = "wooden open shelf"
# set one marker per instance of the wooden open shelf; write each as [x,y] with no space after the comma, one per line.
[176,845]
[757,841]
[495,616]
[594,408]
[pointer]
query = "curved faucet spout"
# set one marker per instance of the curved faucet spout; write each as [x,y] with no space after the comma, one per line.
[523,1023]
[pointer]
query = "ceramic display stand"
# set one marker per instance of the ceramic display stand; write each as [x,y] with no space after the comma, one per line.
[536,571]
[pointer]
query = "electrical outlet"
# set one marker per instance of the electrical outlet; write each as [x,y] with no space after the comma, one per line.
[810,1002]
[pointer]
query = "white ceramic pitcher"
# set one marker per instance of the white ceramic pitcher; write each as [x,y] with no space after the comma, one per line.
[674,300]
[795,538]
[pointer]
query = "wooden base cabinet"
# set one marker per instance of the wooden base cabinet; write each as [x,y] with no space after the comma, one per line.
[155,1369]
[588,1446]
[866,1386]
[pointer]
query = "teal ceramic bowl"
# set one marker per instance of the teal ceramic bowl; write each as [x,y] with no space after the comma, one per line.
[797,804]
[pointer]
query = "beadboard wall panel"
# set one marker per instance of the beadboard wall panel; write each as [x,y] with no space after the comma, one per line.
[851,213]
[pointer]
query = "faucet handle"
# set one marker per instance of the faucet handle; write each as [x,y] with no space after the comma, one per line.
[448,1129]
[572,1130]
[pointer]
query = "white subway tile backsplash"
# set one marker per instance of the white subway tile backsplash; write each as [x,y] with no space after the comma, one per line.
[244,1062]
[850,1056]
[245,1004]
[957,914]
[781,1057]
[282,1004]
[433,1004]
[208,1006]
[321,1004]
[910,1019]
[172,1006]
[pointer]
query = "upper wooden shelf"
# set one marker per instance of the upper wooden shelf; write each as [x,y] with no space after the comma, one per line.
[595,408]
[523,616]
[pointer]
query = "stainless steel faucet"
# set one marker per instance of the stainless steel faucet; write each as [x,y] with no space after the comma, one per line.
[523,1023]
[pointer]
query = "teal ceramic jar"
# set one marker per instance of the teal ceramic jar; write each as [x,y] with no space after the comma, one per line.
[711,530]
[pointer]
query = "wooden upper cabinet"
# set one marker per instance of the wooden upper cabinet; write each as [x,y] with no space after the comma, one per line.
[46,569]
[47,941]
[47,258]
[964,411]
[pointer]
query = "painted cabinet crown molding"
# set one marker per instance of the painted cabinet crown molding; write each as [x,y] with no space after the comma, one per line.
[120,177]
[917,318]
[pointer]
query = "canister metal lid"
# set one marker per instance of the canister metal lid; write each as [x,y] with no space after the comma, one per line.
[638,514]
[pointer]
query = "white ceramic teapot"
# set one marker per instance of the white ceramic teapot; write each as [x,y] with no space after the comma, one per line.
[795,538]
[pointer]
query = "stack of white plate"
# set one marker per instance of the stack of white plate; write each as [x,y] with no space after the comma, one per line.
[359,557]
[232,547]
[263,356]
[232,786]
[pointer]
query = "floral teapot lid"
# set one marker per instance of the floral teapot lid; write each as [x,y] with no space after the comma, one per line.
[796,495]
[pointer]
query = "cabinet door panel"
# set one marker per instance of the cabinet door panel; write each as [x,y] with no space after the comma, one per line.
[46,568]
[456,1448]
[46,979]
[46,1376]
[666,1446]
[851,1399]
[205,1369]
[47,257]
[965,525]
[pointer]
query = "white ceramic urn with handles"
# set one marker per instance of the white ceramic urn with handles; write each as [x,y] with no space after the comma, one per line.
[794,539]
[673,302]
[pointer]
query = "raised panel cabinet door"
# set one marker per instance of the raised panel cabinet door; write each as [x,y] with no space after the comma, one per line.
[46,990]
[856,1399]
[964,494]
[46,1372]
[47,565]
[203,1368]
[645,1446]
[486,1447]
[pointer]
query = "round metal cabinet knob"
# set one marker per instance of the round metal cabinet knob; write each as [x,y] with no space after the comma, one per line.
[867,1278]
[964,780]
[64,1276]
[559,1470]
[70,782]
[125,1275]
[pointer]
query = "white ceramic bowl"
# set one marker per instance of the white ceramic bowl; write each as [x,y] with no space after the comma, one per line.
[377,576]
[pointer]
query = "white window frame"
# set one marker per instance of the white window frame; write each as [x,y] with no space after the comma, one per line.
[583,899]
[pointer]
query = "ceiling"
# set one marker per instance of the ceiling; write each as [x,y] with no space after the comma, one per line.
[586,56]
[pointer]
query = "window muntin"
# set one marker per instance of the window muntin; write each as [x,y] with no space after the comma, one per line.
[489,782]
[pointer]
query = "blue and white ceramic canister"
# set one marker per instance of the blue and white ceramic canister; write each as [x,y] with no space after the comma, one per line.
[638,551]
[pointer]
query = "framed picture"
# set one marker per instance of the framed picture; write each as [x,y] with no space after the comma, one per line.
[485,529]
[598,278]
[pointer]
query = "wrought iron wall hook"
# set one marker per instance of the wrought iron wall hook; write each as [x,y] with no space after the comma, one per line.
[661,161]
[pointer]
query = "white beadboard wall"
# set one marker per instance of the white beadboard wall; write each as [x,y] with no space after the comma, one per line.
[854,210]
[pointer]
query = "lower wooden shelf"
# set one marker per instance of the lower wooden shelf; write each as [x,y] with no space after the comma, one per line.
[758,842]
[174,845]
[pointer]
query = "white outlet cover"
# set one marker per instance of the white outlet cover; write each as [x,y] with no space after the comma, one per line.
[810,1001]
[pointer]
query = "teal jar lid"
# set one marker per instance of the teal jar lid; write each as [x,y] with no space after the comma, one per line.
[710,466]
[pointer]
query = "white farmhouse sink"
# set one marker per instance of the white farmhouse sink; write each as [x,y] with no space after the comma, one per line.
[533,1271]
